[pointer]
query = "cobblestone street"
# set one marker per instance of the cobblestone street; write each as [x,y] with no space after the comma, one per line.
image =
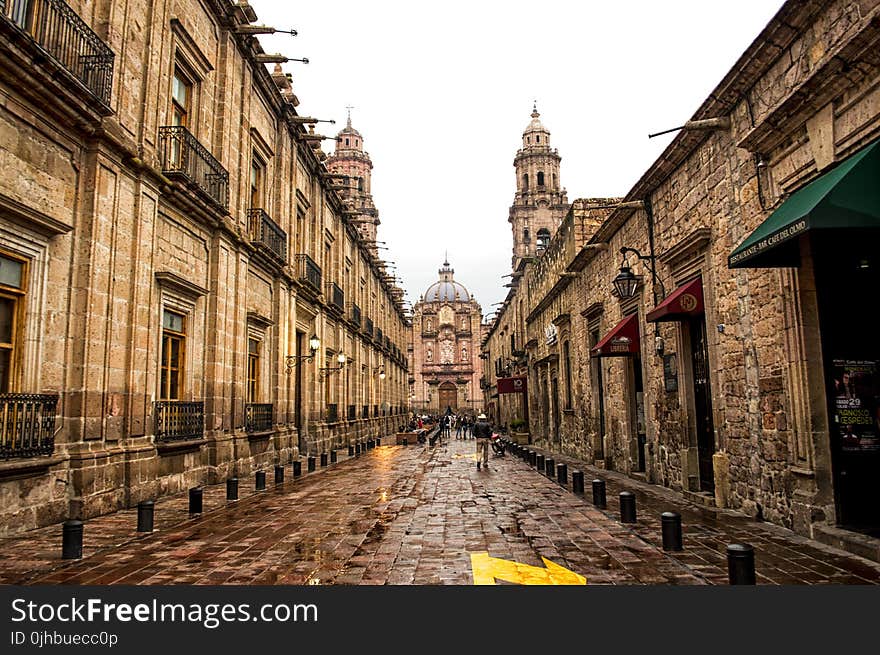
[415,515]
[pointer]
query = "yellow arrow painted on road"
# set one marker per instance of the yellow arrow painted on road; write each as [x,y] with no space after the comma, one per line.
[488,569]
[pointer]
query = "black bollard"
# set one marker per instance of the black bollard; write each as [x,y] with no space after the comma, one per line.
[195,500]
[323,459]
[539,462]
[279,474]
[232,489]
[311,463]
[145,515]
[297,468]
[627,507]
[562,474]
[670,526]
[577,482]
[357,449]
[260,480]
[533,457]
[72,539]
[549,467]
[370,444]
[333,456]
[351,450]
[599,494]
[378,441]
[741,564]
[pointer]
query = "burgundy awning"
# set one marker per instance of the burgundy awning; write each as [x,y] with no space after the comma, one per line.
[623,339]
[512,385]
[684,302]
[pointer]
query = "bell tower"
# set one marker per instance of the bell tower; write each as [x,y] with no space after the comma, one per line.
[540,202]
[350,159]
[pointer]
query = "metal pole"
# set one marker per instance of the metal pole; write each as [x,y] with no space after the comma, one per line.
[145,516]
[260,480]
[671,529]
[72,540]
[741,564]
[577,482]
[562,474]
[599,494]
[627,507]
[279,474]
[232,489]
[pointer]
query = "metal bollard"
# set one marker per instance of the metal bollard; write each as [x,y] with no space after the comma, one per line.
[279,474]
[539,462]
[549,467]
[297,468]
[562,474]
[232,489]
[533,457]
[357,449]
[577,482]
[599,494]
[741,564]
[627,507]
[370,444]
[333,456]
[260,480]
[195,500]
[670,527]
[378,441]
[72,539]
[145,515]
[351,450]
[311,463]
[323,459]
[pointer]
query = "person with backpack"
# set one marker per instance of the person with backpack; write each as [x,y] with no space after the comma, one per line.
[482,433]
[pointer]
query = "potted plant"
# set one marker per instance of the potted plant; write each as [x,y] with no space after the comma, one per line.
[519,431]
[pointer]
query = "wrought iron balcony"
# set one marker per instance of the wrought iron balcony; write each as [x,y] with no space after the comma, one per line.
[178,420]
[379,335]
[336,296]
[365,411]
[352,413]
[309,272]
[332,413]
[355,315]
[56,28]
[27,423]
[368,327]
[265,232]
[258,417]
[182,155]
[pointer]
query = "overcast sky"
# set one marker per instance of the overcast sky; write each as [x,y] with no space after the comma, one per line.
[442,92]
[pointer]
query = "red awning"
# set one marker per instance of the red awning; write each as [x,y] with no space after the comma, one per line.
[684,302]
[623,339]
[512,385]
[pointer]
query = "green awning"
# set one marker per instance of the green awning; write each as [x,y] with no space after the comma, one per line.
[847,196]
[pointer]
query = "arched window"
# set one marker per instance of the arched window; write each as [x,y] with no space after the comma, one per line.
[525,181]
[537,139]
[346,142]
[540,178]
[554,181]
[360,184]
[543,238]
[526,237]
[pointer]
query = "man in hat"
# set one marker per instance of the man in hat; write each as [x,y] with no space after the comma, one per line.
[482,433]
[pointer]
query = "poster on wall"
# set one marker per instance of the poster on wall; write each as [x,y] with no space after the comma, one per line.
[856,404]
[670,372]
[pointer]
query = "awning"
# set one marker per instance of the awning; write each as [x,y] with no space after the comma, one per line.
[623,339]
[684,302]
[846,197]
[516,384]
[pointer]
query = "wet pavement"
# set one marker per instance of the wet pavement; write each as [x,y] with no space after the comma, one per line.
[420,515]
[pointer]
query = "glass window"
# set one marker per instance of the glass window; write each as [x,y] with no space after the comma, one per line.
[253,372]
[173,343]
[540,178]
[11,272]
[181,95]
[257,169]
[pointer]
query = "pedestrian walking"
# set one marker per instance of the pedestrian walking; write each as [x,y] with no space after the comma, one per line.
[482,433]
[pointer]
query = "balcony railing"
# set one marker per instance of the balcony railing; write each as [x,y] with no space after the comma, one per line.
[309,272]
[352,413]
[336,296]
[365,411]
[56,28]
[355,315]
[265,232]
[258,417]
[182,154]
[178,420]
[379,336]
[332,413]
[368,327]
[27,424]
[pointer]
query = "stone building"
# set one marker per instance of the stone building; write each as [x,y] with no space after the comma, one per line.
[445,359]
[729,359]
[540,202]
[183,297]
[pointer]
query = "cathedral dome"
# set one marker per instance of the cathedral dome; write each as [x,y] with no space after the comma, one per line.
[446,288]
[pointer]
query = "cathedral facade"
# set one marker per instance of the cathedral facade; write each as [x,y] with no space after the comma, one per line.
[445,367]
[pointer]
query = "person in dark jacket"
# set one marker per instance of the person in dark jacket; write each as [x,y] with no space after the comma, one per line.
[482,433]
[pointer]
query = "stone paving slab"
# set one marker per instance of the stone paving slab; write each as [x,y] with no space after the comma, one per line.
[781,556]
[406,515]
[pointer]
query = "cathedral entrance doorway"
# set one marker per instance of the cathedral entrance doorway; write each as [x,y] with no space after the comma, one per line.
[448,395]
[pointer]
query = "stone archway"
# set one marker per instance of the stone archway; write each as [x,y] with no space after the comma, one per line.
[447,396]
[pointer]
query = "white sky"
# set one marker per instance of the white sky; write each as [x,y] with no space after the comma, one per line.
[443,91]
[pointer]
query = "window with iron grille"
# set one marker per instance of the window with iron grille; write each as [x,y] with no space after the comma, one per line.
[173,349]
